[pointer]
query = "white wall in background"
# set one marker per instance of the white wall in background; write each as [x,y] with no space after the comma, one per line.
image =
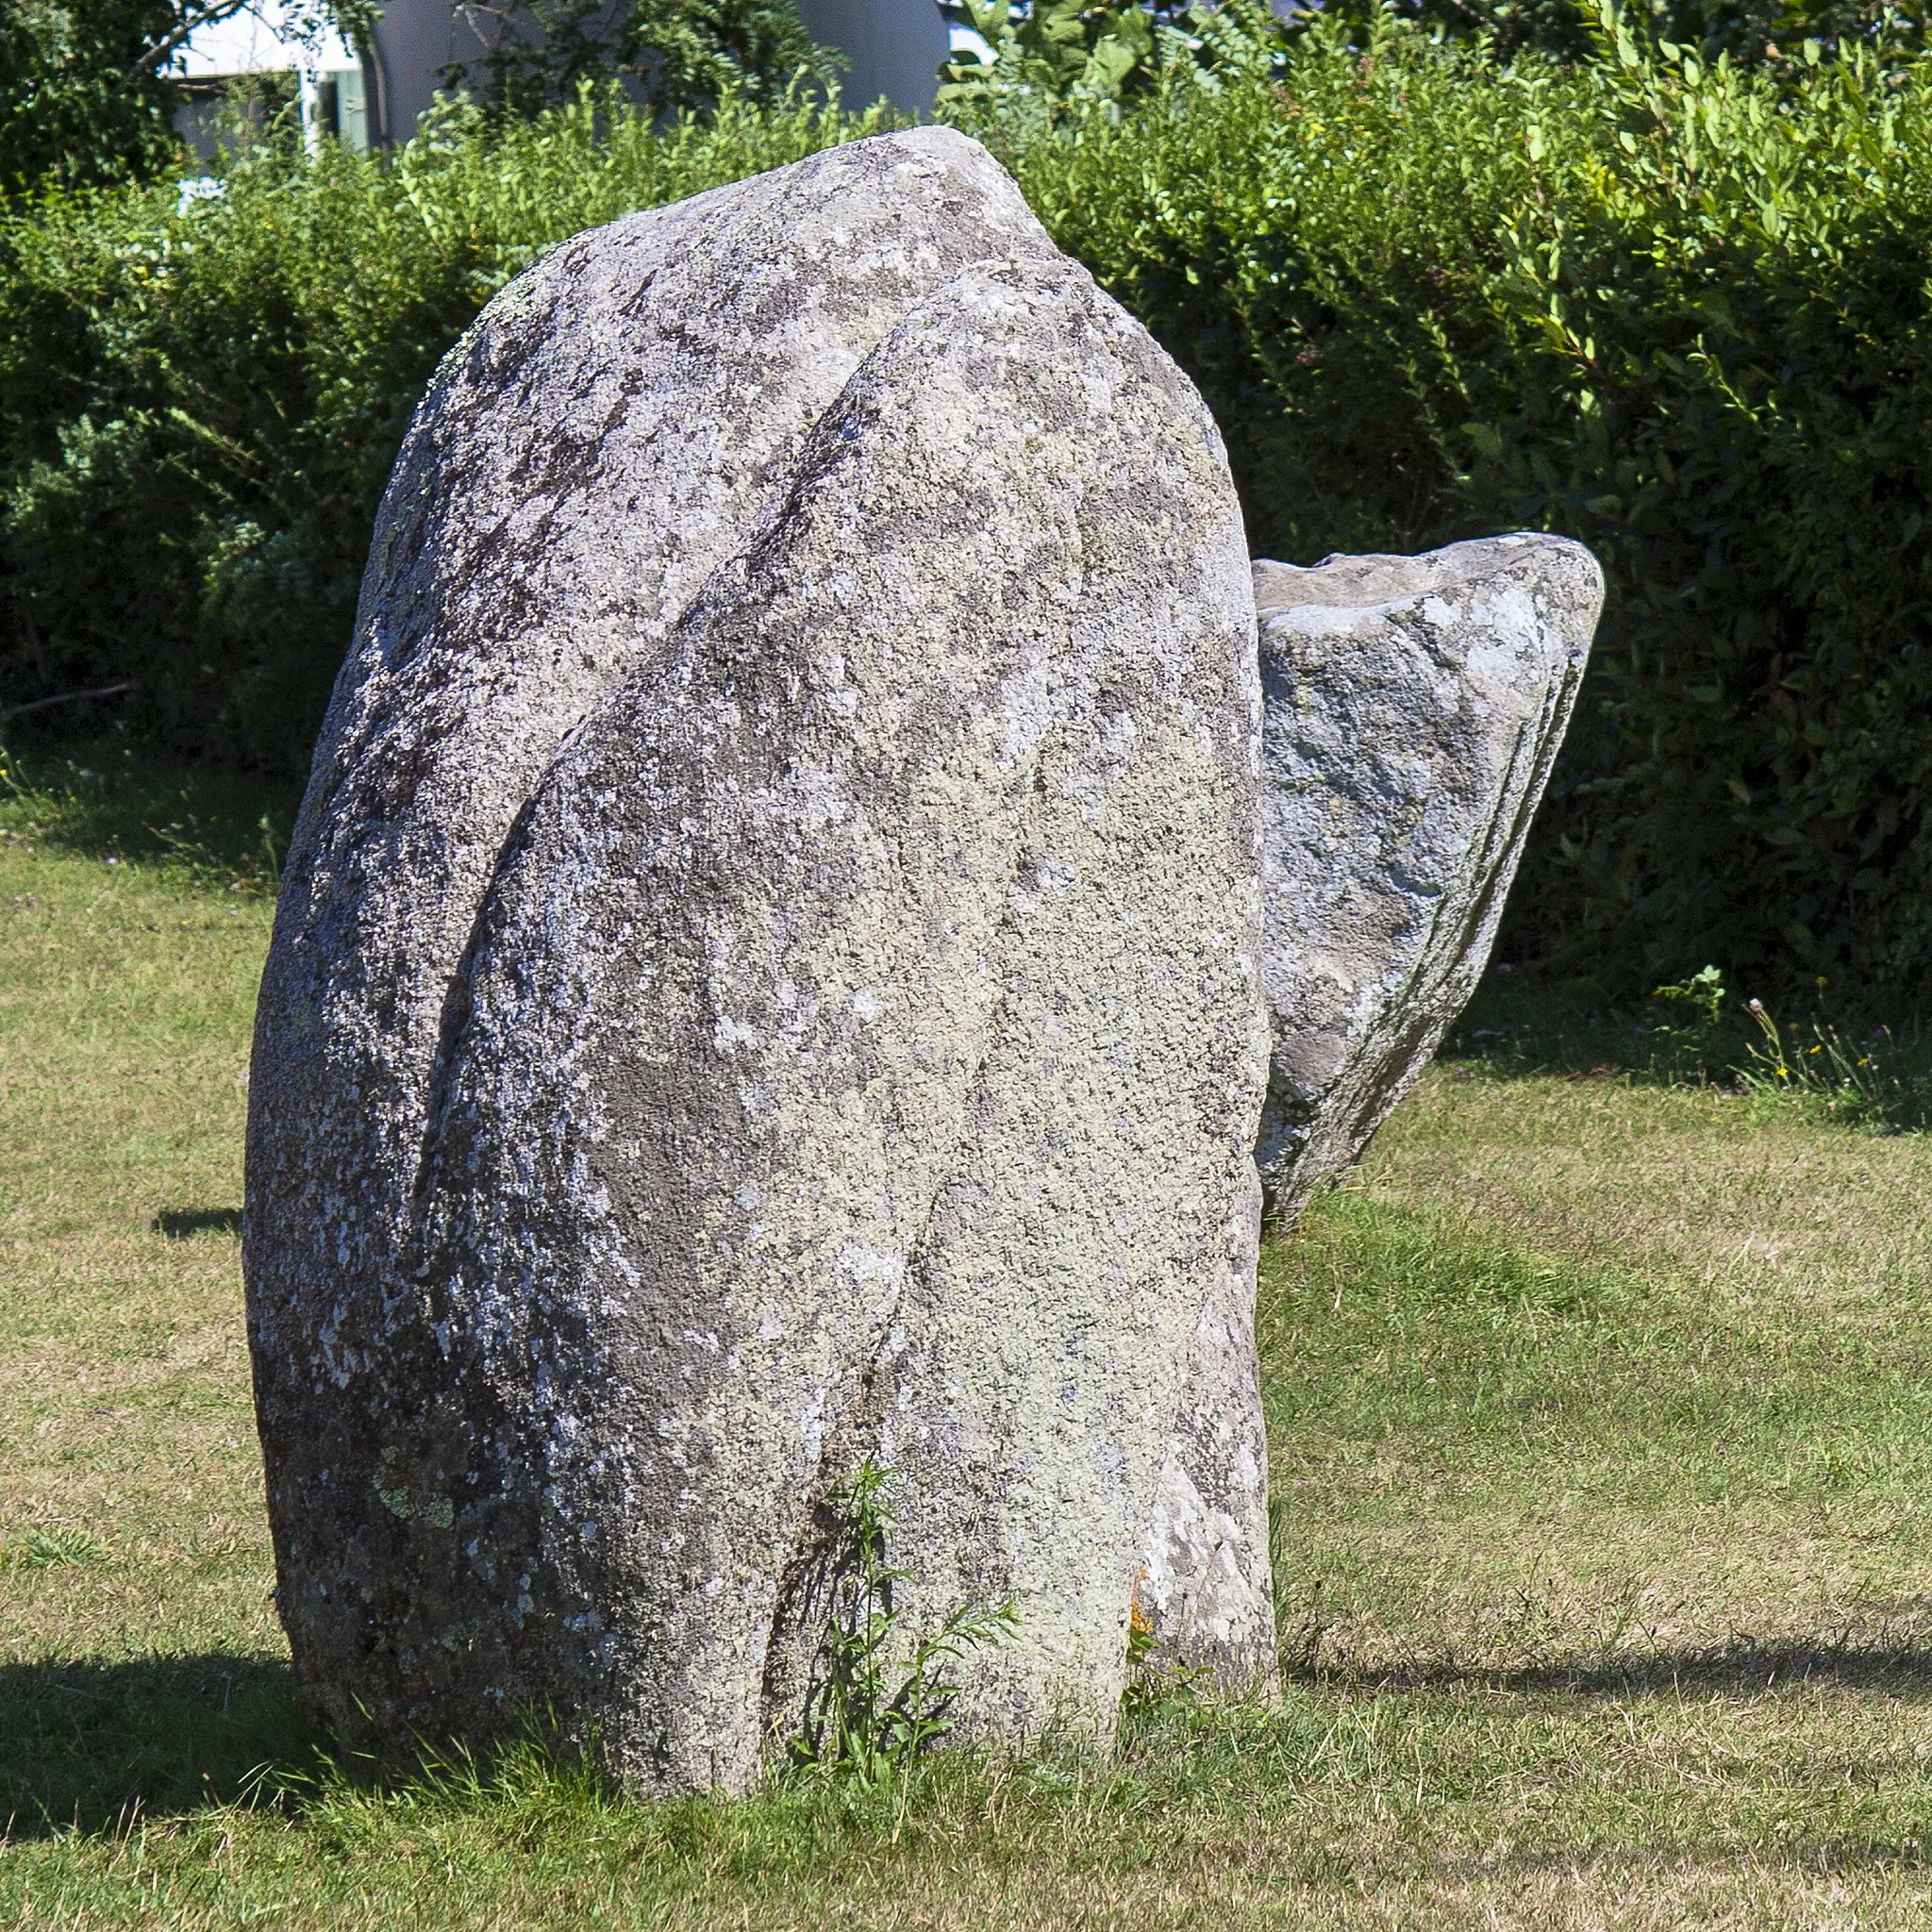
[245,44]
[251,42]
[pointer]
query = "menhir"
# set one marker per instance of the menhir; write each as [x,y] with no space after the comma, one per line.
[768,976]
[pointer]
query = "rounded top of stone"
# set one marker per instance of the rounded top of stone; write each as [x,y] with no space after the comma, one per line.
[1365,581]
[933,138]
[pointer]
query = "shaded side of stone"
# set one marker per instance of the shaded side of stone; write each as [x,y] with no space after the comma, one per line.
[861,1047]
[1207,1593]
[602,441]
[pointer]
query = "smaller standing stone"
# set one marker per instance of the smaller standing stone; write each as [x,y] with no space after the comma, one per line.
[1413,708]
[1415,705]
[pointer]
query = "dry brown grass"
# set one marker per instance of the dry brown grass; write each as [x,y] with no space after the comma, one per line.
[1702,1429]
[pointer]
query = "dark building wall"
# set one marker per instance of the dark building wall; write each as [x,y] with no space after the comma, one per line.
[413,39]
[895,47]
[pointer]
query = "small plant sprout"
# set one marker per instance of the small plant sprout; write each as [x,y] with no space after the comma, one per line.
[1690,1032]
[48,1549]
[1703,992]
[1157,1685]
[877,1706]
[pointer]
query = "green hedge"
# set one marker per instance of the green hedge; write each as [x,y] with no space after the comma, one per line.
[200,396]
[1679,313]
[1676,312]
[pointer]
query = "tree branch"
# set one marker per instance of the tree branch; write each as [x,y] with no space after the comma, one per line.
[195,18]
[67,697]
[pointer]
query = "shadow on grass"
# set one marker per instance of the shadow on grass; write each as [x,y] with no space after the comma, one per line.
[1518,1025]
[86,1742]
[1739,1669]
[1828,1057]
[103,798]
[183,1224]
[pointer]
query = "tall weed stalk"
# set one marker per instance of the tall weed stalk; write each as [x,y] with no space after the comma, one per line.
[880,1705]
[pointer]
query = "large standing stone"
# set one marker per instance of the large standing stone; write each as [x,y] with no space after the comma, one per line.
[1414,707]
[608,433]
[858,1046]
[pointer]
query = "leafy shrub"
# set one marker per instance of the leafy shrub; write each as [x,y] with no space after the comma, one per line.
[87,91]
[1671,308]
[80,105]
[1057,47]
[1747,30]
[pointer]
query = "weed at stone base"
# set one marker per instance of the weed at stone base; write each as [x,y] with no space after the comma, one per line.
[869,1717]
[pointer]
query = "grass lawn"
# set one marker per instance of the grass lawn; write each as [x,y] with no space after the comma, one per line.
[1600,1415]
